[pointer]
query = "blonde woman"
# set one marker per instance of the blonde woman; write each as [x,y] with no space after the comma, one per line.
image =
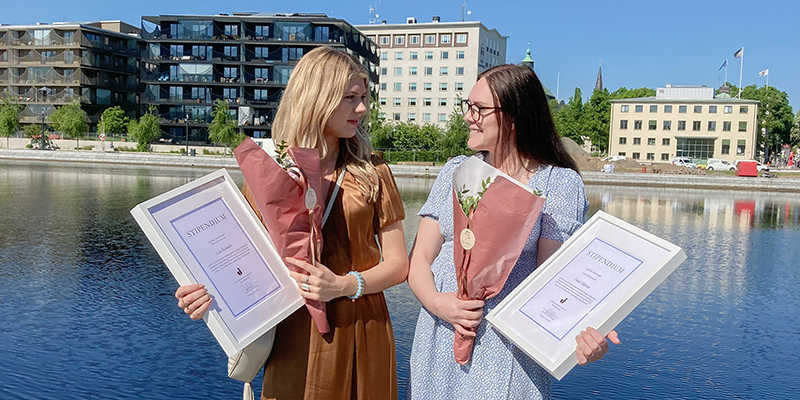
[324,107]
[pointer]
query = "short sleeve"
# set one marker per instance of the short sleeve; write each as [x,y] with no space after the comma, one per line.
[566,205]
[389,205]
[440,192]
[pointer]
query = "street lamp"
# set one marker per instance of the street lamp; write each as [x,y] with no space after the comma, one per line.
[187,129]
[42,144]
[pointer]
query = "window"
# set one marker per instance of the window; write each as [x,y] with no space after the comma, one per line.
[668,109]
[460,55]
[382,100]
[621,153]
[384,56]
[398,55]
[667,125]
[682,109]
[398,40]
[396,116]
[413,55]
[726,146]
[623,108]
[442,101]
[623,124]
[727,109]
[695,148]
[443,86]
[459,70]
[681,125]
[445,55]
[412,86]
[635,156]
[384,71]
[726,126]
[459,86]
[651,156]
[698,109]
[637,125]
[742,126]
[384,40]
[637,141]
[743,110]
[651,141]
[398,86]
[740,147]
[398,101]
[383,85]
[426,101]
[461,38]
[412,117]
[429,55]
[413,39]
[623,140]
[426,86]
[695,125]
[230,93]
[231,30]
[230,52]
[442,117]
[428,70]
[412,70]
[398,71]
[426,117]
[639,108]
[445,38]
[664,156]
[653,109]
[665,142]
[412,101]
[712,126]
[442,70]
[651,125]
[430,39]
[712,109]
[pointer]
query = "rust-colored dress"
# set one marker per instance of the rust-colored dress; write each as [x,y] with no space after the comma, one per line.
[356,359]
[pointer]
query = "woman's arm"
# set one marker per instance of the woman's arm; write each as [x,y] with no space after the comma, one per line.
[462,314]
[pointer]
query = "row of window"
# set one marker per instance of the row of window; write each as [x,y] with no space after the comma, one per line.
[667,125]
[412,117]
[427,55]
[412,101]
[444,38]
[413,71]
[694,148]
[650,141]
[683,109]
[426,86]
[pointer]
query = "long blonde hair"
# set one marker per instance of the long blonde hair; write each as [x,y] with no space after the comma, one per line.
[314,91]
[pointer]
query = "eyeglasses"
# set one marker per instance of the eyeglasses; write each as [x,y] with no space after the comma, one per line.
[475,111]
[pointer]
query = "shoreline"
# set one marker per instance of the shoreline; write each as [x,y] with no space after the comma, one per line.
[716,182]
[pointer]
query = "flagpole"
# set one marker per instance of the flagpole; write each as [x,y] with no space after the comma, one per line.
[741,67]
[726,73]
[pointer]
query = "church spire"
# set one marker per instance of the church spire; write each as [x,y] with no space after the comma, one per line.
[599,84]
[528,61]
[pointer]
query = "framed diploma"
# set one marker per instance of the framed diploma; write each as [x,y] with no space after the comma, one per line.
[206,232]
[597,277]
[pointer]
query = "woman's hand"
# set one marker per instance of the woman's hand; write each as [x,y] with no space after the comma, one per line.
[592,345]
[320,283]
[464,315]
[193,299]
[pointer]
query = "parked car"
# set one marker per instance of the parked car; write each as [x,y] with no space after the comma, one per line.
[719,165]
[615,158]
[684,161]
[761,167]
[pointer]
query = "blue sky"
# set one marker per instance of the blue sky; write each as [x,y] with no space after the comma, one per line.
[640,43]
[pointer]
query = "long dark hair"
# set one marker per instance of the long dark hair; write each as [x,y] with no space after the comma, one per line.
[526,123]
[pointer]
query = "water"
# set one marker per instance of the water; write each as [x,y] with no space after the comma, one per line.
[88,306]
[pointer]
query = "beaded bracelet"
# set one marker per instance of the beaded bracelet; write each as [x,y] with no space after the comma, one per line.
[360,280]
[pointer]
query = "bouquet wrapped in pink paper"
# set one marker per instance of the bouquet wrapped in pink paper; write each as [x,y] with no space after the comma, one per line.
[288,196]
[493,215]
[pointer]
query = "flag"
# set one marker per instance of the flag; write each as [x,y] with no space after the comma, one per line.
[764,72]
[738,53]
[725,64]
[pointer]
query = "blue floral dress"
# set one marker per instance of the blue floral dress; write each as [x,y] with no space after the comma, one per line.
[497,369]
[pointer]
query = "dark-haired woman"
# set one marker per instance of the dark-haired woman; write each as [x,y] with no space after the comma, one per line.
[511,129]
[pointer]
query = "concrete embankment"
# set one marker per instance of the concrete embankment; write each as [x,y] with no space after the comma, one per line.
[590,178]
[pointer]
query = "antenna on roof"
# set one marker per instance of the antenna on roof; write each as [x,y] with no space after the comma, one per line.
[373,13]
[464,12]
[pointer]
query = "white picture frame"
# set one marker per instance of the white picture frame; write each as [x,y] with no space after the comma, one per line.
[596,278]
[206,232]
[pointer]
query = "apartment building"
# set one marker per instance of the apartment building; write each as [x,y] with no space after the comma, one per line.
[245,59]
[687,121]
[426,68]
[48,65]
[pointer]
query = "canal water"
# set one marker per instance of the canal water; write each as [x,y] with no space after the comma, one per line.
[88,310]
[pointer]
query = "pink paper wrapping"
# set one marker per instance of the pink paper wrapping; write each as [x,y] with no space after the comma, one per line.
[501,223]
[281,201]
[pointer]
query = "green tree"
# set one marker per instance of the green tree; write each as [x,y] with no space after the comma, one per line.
[774,113]
[222,129]
[9,119]
[380,131]
[410,136]
[113,121]
[70,119]
[795,134]
[453,141]
[32,130]
[625,93]
[596,117]
[569,118]
[145,130]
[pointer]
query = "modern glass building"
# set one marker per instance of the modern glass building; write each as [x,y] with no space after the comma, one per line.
[47,65]
[245,59]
